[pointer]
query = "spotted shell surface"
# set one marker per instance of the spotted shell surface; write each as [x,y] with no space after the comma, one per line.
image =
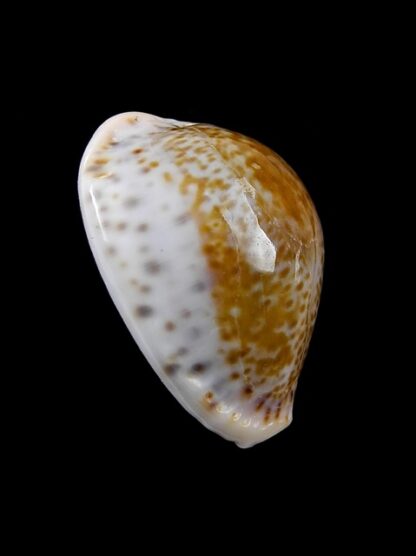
[212,251]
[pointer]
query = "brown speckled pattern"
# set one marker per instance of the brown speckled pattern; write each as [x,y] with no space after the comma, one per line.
[213,253]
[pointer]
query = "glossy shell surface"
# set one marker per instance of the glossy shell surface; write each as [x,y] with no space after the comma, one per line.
[212,251]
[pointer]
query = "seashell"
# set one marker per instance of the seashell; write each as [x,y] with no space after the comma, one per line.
[212,251]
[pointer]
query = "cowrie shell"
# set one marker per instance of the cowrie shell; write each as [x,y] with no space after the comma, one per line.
[212,251]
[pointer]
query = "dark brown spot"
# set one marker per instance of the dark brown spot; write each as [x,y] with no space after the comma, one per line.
[152,267]
[154,164]
[144,311]
[200,367]
[233,356]
[208,400]
[234,376]
[248,391]
[171,368]
[142,227]
[267,415]
[170,326]
[198,287]
[137,151]
[111,251]
[121,226]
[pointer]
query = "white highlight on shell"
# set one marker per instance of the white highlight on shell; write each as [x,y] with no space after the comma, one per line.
[257,248]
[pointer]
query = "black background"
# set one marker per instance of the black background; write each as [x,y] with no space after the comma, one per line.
[108,421]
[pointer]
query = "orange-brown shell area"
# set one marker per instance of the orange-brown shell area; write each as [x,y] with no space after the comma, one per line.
[265,320]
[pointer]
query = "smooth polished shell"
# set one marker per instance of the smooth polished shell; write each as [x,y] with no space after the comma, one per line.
[212,252]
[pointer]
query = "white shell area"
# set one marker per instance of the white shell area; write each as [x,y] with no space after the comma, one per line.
[147,245]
